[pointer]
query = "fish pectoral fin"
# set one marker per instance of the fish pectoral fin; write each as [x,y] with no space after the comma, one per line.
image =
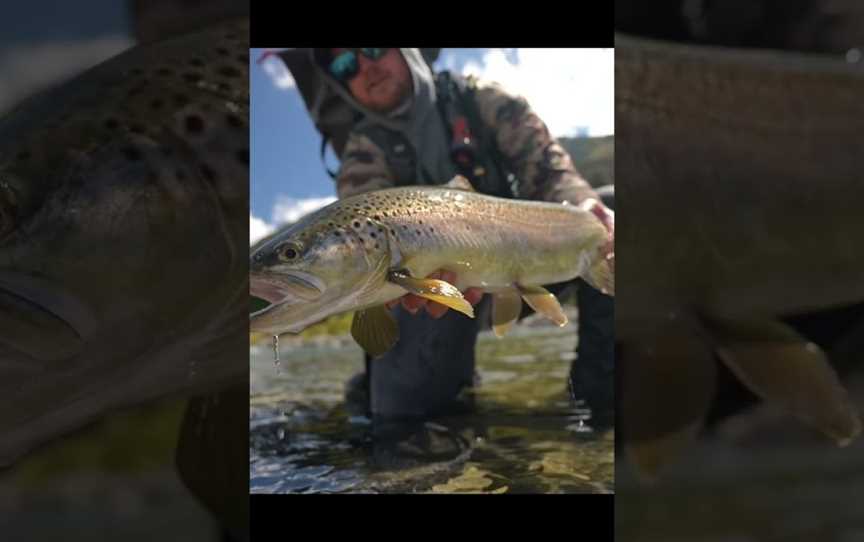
[210,452]
[460,183]
[544,302]
[375,330]
[601,277]
[35,330]
[434,290]
[786,369]
[506,307]
[667,386]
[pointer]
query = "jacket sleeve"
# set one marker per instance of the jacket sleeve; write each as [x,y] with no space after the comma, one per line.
[364,167]
[544,169]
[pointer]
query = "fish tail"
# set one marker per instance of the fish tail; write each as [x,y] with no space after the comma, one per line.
[601,276]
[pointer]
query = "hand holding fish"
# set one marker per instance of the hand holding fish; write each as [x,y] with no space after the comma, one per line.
[607,217]
[413,303]
[366,253]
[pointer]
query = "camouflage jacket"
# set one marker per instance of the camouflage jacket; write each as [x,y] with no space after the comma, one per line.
[543,168]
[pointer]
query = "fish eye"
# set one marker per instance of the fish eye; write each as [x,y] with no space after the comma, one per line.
[289,252]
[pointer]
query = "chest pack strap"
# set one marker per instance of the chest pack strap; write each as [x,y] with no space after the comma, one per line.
[457,103]
[324,140]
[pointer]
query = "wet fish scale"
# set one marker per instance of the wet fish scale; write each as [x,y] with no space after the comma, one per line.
[420,219]
[363,251]
[164,96]
[123,201]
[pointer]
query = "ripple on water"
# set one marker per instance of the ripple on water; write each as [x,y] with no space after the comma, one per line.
[519,438]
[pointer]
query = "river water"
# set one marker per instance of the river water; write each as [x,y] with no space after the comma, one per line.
[524,434]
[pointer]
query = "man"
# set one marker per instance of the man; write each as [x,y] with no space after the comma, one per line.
[408,133]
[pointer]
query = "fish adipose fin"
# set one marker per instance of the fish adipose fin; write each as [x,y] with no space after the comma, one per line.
[544,302]
[667,387]
[786,369]
[506,307]
[375,330]
[434,290]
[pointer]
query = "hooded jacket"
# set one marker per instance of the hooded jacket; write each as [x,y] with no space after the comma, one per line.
[417,120]
[542,169]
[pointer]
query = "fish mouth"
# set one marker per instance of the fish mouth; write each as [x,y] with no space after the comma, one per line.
[291,287]
[39,320]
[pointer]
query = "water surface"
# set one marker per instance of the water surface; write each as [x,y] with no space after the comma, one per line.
[524,434]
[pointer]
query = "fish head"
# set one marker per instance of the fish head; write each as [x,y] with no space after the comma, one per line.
[327,263]
[123,196]
[98,249]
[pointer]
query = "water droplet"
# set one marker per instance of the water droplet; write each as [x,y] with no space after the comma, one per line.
[276,362]
[853,55]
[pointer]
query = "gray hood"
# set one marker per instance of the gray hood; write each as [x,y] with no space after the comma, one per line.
[417,120]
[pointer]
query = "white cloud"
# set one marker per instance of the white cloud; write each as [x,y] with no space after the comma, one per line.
[288,209]
[567,88]
[446,62]
[258,228]
[278,72]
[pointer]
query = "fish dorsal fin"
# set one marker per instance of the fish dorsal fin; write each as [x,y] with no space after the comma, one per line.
[460,183]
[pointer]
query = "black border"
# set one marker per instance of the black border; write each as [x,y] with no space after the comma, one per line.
[565,517]
[281,24]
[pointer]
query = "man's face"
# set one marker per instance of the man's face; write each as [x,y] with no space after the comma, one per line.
[380,85]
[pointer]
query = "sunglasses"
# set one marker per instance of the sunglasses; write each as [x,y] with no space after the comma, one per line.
[345,66]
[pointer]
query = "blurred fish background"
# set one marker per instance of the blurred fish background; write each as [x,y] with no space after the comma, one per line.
[746,103]
[116,478]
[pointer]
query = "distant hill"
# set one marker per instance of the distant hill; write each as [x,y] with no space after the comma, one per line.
[594,157]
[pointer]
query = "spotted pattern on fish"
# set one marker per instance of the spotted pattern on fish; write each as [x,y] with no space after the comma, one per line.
[123,202]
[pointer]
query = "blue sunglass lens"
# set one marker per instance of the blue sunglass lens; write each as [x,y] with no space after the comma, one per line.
[344,66]
[373,53]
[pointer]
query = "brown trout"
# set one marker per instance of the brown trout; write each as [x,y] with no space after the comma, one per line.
[358,253]
[739,173]
[123,224]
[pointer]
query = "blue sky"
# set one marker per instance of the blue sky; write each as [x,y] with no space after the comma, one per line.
[571,89]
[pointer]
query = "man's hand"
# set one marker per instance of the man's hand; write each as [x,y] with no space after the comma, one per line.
[413,303]
[607,217]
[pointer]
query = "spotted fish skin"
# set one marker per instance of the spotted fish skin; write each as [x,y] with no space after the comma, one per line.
[123,203]
[347,249]
[736,218]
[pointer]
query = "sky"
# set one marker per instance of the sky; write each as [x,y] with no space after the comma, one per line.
[572,90]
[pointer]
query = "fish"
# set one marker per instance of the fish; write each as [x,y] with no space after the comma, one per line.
[359,253]
[123,204]
[739,177]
